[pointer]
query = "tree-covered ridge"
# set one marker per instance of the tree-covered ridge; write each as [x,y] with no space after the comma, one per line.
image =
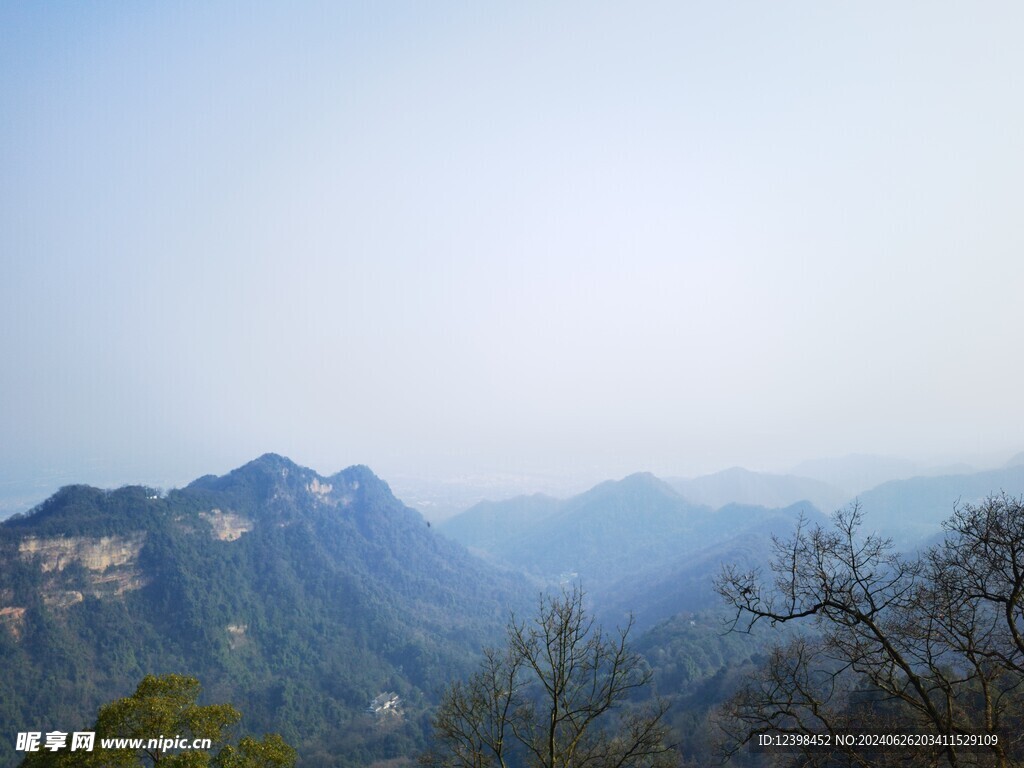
[298,596]
[637,545]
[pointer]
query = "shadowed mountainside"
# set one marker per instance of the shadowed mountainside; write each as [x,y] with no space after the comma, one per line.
[636,543]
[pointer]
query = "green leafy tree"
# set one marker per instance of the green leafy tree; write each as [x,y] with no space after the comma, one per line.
[555,697]
[271,752]
[166,707]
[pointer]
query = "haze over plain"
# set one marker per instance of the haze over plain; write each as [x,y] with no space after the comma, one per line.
[575,241]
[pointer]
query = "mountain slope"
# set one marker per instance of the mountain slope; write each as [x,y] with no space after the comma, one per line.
[484,526]
[735,535]
[1016,460]
[595,533]
[741,486]
[857,472]
[635,544]
[910,511]
[296,597]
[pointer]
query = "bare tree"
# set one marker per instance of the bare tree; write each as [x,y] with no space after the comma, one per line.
[555,697]
[930,645]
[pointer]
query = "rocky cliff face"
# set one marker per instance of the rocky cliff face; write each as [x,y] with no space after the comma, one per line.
[95,554]
[227,526]
[110,565]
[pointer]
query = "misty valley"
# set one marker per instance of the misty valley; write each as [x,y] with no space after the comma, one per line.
[298,618]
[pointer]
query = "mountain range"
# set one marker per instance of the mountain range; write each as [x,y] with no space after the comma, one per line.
[911,511]
[741,486]
[303,598]
[637,544]
[298,597]
[652,546]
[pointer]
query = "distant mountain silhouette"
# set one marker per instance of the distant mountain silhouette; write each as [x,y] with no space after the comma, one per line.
[911,511]
[596,531]
[484,526]
[636,544]
[857,472]
[1016,460]
[741,486]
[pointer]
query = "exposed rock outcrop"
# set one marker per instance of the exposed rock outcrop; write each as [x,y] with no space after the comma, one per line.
[227,526]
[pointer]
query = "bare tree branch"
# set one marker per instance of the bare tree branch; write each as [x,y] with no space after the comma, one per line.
[556,697]
[933,644]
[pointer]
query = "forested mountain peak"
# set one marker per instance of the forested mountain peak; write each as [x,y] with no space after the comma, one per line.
[638,486]
[279,588]
[272,474]
[78,508]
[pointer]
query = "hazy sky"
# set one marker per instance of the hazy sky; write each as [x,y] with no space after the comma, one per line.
[449,237]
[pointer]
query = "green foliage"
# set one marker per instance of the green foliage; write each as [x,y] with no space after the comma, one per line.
[697,666]
[166,707]
[270,752]
[163,706]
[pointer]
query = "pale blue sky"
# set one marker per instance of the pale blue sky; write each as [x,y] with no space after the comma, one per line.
[585,237]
